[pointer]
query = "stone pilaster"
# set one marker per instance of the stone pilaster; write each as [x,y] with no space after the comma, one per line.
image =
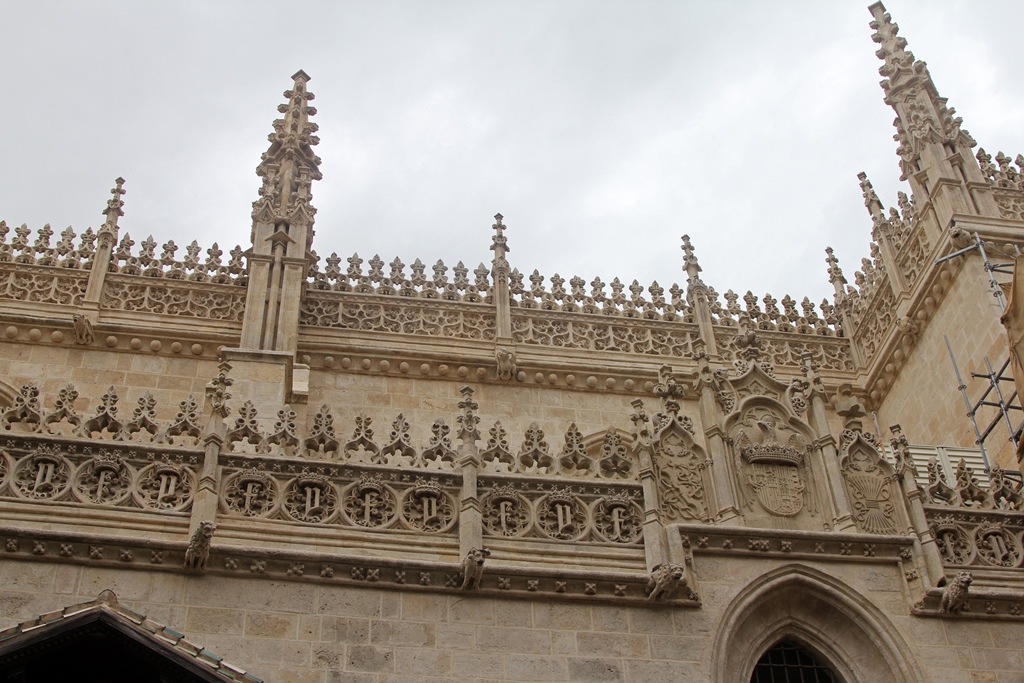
[470,522]
[655,549]
[726,508]
[842,519]
[907,473]
[204,505]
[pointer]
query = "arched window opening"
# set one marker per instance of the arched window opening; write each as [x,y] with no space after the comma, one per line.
[790,662]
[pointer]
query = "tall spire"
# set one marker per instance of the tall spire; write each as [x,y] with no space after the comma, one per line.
[933,147]
[282,226]
[289,166]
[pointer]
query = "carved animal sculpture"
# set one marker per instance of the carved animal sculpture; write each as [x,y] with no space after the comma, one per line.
[506,363]
[83,330]
[473,568]
[199,548]
[954,595]
[665,579]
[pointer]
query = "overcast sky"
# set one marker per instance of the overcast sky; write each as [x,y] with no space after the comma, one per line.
[601,130]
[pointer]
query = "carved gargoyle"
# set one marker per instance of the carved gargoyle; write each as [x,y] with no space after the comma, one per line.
[954,594]
[198,551]
[506,362]
[83,330]
[665,579]
[473,568]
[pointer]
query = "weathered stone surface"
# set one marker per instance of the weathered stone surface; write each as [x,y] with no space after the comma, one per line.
[664,481]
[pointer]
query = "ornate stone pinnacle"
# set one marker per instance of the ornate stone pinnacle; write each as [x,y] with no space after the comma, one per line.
[690,261]
[499,243]
[835,273]
[114,207]
[217,388]
[892,48]
[871,201]
[468,420]
[289,166]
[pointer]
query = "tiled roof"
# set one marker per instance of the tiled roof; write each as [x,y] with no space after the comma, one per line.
[159,635]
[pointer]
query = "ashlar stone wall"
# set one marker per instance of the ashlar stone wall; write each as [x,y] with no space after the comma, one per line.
[924,396]
[303,632]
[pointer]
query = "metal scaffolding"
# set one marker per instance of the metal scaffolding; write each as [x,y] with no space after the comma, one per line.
[993,396]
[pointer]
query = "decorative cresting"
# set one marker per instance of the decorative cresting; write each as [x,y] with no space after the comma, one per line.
[312,477]
[681,465]
[94,269]
[282,232]
[496,306]
[27,416]
[1006,181]
[587,491]
[870,480]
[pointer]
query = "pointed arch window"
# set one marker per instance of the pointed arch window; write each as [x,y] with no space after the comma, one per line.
[789,662]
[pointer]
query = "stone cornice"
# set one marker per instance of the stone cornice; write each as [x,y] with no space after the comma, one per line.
[794,544]
[570,585]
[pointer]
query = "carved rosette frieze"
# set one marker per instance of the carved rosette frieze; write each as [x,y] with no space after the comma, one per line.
[42,475]
[6,467]
[985,538]
[955,544]
[562,516]
[369,503]
[505,512]
[427,507]
[165,486]
[250,492]
[310,498]
[617,519]
[105,480]
[346,495]
[587,513]
[74,472]
[996,545]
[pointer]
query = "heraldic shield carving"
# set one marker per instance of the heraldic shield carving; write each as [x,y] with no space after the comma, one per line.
[772,458]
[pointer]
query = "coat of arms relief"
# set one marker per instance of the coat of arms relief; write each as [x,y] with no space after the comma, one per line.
[772,462]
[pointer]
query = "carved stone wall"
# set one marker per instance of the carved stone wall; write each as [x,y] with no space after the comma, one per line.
[367,471]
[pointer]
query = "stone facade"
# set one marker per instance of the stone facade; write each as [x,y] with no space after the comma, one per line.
[338,470]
